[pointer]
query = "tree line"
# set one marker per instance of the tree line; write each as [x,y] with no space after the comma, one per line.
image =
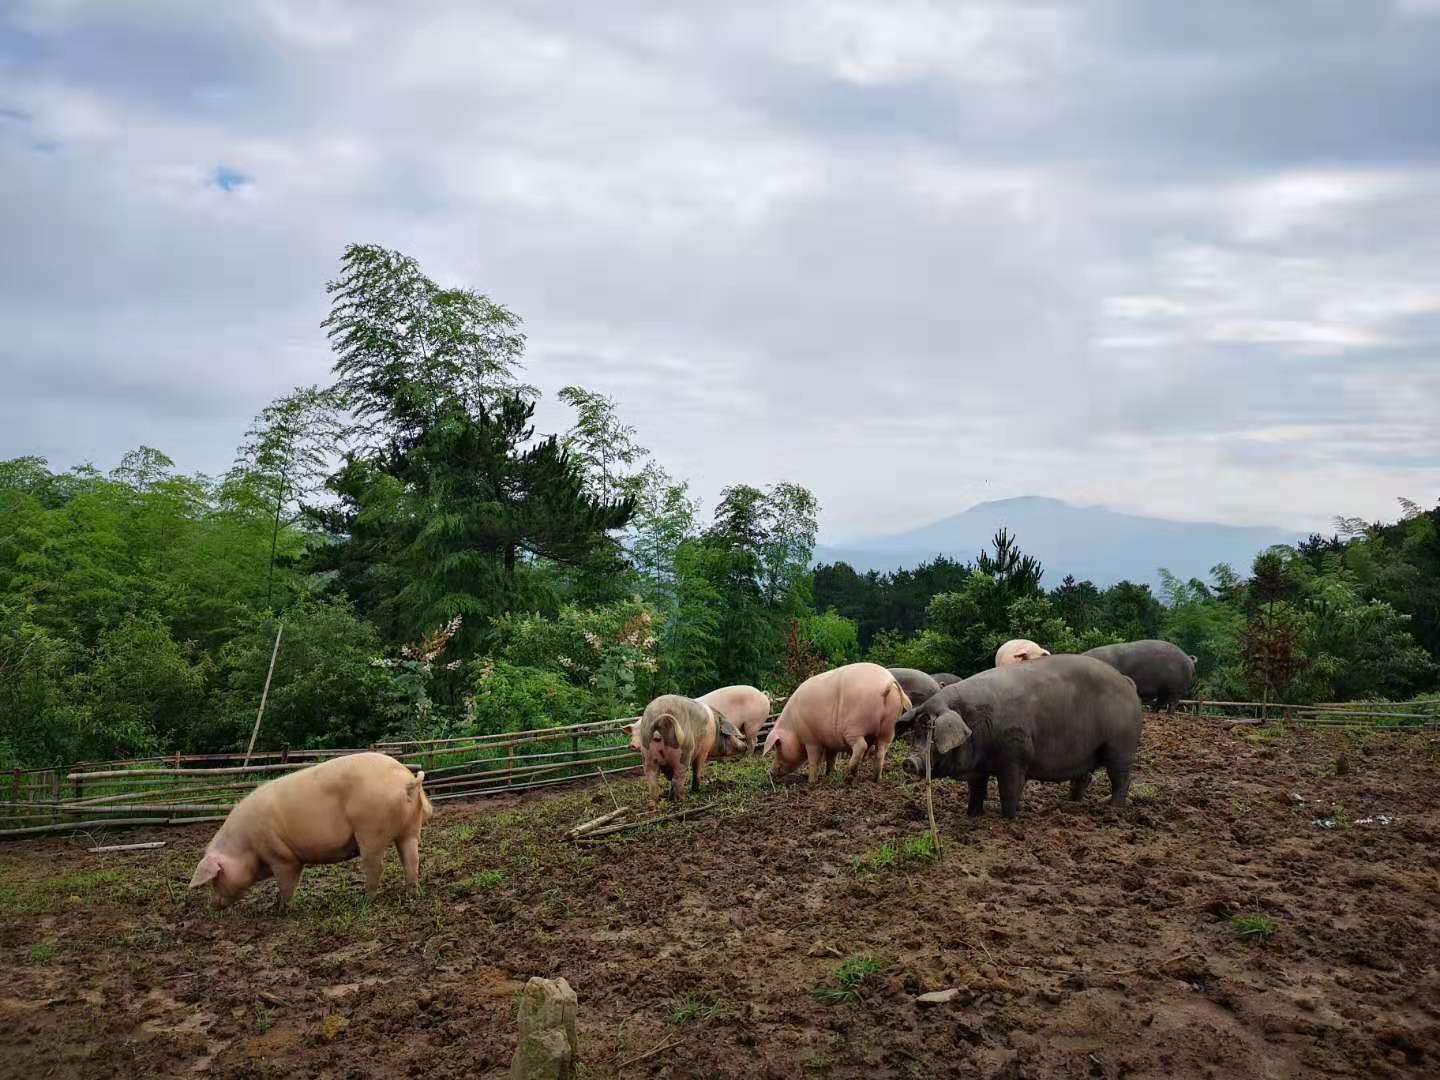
[441,568]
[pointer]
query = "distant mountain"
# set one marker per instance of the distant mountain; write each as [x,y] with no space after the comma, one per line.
[1086,541]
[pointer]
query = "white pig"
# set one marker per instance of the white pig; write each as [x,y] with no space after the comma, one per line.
[1017,651]
[358,804]
[740,711]
[847,708]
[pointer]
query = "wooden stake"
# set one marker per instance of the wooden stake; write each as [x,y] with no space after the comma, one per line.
[930,798]
[264,694]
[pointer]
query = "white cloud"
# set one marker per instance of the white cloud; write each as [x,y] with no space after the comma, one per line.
[912,255]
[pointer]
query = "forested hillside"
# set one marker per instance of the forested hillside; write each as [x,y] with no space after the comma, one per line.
[439,567]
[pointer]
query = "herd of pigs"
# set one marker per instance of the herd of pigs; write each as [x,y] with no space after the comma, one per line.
[1034,716]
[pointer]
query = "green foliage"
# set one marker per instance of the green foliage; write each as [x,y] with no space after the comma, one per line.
[687,1009]
[848,979]
[330,688]
[1254,927]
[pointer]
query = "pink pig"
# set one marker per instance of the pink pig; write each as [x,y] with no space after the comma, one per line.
[742,711]
[358,804]
[677,735]
[852,707]
[744,707]
[1017,651]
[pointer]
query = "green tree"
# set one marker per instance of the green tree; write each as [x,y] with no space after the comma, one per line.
[407,351]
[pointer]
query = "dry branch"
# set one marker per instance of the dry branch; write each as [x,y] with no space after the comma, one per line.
[594,823]
[130,847]
[590,837]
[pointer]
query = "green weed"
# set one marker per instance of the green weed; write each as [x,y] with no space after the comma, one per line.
[1254,927]
[817,1063]
[689,1008]
[485,879]
[1142,792]
[44,953]
[890,856]
[847,980]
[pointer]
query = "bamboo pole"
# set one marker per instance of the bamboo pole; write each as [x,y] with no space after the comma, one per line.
[130,847]
[930,798]
[112,823]
[264,694]
[501,790]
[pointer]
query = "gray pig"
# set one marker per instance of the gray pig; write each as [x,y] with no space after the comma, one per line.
[918,686]
[944,678]
[1162,671]
[1060,720]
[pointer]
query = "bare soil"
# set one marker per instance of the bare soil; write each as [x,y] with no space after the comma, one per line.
[1083,941]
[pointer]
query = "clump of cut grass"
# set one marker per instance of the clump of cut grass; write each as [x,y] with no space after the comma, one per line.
[485,879]
[892,856]
[1142,792]
[848,979]
[687,1009]
[1254,927]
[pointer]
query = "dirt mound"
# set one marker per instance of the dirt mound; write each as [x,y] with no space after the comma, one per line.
[1251,914]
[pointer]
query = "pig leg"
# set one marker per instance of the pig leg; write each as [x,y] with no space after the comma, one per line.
[978,784]
[1119,782]
[652,778]
[374,861]
[813,754]
[697,767]
[287,876]
[858,749]
[1012,784]
[829,762]
[409,849]
[677,782]
[880,748]
[1078,787]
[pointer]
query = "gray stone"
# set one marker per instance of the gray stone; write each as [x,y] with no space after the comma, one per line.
[548,1046]
[939,997]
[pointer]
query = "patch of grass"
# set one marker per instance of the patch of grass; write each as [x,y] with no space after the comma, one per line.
[891,856]
[848,979]
[1142,792]
[82,881]
[485,879]
[689,1008]
[816,1063]
[43,953]
[264,1021]
[461,833]
[1254,927]
[875,860]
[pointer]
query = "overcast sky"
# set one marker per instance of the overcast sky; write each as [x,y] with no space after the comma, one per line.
[1177,259]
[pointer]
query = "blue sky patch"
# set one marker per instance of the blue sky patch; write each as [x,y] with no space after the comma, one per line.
[227,179]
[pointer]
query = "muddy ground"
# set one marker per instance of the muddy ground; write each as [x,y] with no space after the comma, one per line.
[1084,942]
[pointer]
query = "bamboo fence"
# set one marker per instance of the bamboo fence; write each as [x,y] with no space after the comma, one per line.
[186,788]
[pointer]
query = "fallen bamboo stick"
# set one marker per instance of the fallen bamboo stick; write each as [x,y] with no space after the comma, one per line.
[627,826]
[586,826]
[130,847]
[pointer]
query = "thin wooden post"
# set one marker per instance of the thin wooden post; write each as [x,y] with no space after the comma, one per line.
[930,798]
[510,765]
[263,695]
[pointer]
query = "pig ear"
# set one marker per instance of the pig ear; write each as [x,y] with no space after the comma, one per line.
[629,729]
[949,732]
[208,869]
[771,739]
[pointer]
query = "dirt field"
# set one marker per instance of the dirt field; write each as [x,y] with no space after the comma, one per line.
[1083,942]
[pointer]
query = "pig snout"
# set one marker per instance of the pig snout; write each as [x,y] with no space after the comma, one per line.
[914,765]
